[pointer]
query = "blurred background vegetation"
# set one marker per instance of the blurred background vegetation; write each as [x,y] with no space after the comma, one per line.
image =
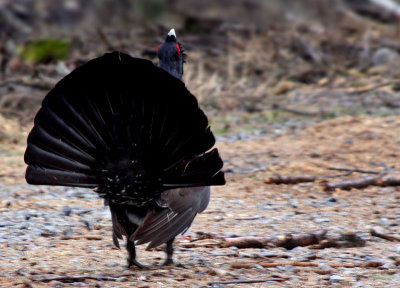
[286,63]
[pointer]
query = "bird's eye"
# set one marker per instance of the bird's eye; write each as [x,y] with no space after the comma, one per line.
[178,50]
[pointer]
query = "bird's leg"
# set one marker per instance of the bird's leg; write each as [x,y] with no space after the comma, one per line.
[130,246]
[169,250]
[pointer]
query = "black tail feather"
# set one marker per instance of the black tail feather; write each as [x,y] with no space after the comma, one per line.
[54,145]
[47,159]
[124,126]
[44,176]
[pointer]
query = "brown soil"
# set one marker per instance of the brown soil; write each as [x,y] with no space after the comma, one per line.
[245,206]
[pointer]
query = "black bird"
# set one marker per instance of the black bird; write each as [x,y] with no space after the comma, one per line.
[134,133]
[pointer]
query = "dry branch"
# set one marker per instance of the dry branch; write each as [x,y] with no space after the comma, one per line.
[344,240]
[370,264]
[347,185]
[291,241]
[288,241]
[389,180]
[247,281]
[338,175]
[356,170]
[377,232]
[246,242]
[317,240]
[80,278]
[364,182]
[78,237]
[365,89]
[359,183]
[321,113]
[279,179]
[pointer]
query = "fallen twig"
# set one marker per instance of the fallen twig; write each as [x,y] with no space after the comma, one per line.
[288,241]
[279,179]
[347,185]
[250,218]
[321,113]
[246,281]
[357,170]
[78,237]
[377,232]
[366,88]
[370,264]
[338,175]
[344,240]
[291,241]
[317,240]
[80,278]
[364,182]
[389,180]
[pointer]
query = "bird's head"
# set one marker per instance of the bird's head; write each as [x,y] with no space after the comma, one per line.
[171,55]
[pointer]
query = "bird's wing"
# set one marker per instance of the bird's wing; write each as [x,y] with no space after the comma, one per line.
[180,207]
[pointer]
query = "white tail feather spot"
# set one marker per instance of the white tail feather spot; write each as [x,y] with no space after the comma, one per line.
[172,33]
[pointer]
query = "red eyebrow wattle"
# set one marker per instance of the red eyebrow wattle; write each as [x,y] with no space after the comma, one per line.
[179,49]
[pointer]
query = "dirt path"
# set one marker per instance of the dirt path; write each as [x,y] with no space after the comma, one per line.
[48,232]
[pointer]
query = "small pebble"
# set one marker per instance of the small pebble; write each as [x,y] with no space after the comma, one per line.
[324,266]
[395,249]
[321,220]
[142,278]
[221,272]
[89,224]
[335,279]
[384,56]
[112,264]
[66,211]
[68,232]
[79,284]
[48,231]
[388,265]
[384,221]
[294,203]
[57,284]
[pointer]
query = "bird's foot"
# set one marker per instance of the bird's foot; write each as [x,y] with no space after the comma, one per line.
[134,262]
[168,262]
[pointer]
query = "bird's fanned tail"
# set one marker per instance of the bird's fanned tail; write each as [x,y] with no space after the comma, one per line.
[134,133]
[107,125]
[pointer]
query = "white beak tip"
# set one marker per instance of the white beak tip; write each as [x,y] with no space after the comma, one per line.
[172,33]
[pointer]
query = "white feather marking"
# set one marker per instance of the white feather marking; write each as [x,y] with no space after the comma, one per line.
[172,33]
[168,215]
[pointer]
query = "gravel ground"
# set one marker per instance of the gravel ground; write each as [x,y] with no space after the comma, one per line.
[61,237]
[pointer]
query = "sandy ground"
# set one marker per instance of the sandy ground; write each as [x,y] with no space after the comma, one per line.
[50,235]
